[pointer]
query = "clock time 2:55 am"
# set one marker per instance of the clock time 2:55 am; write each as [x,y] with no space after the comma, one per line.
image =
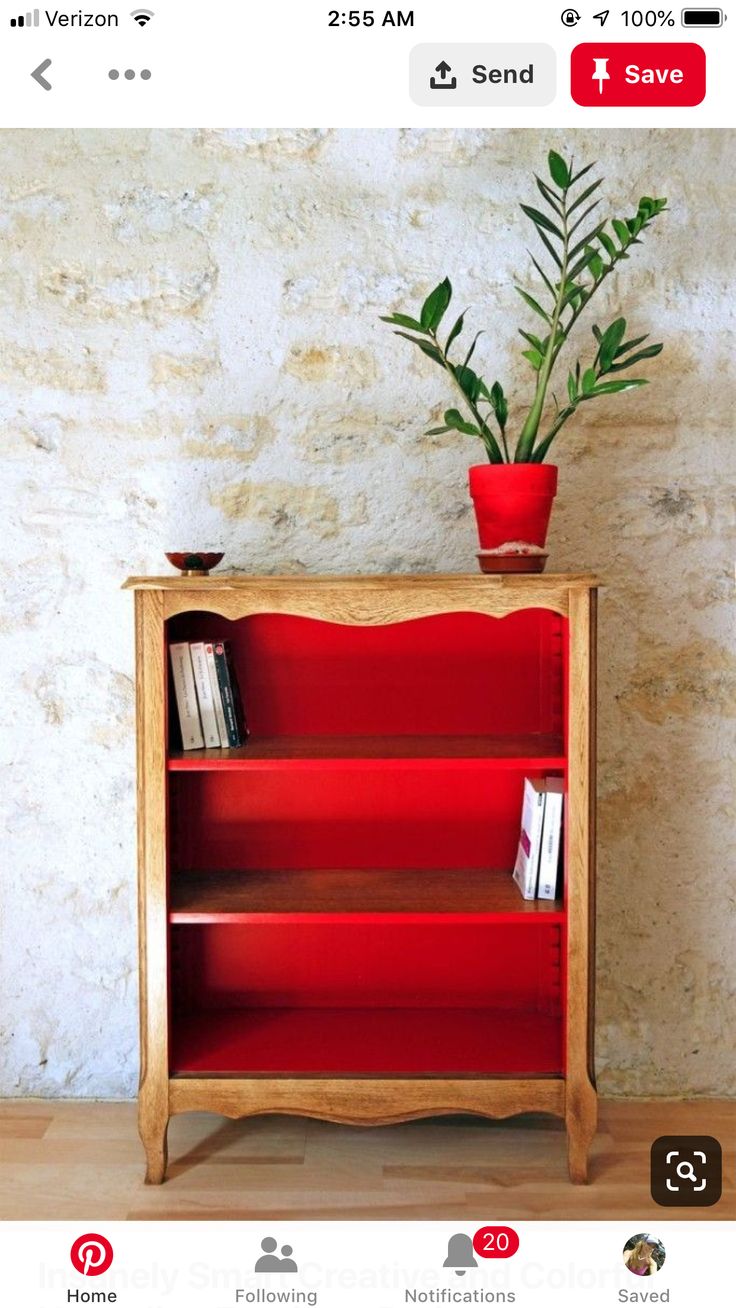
[369,18]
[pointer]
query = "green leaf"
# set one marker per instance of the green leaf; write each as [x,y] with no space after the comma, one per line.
[590,190]
[500,405]
[435,306]
[471,351]
[549,247]
[597,333]
[589,380]
[572,389]
[455,332]
[544,276]
[613,387]
[541,220]
[431,351]
[583,216]
[630,345]
[469,383]
[582,263]
[437,431]
[535,358]
[621,231]
[582,173]
[596,266]
[612,338]
[558,170]
[402,320]
[592,235]
[529,299]
[607,244]
[456,422]
[548,194]
[650,352]
[533,340]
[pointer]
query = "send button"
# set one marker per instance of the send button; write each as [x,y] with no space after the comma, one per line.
[512,75]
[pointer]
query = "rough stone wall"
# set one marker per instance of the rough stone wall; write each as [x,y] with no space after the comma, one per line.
[190,355]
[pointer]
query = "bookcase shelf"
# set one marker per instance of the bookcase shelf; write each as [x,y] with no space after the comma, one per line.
[298,751]
[374,893]
[328,921]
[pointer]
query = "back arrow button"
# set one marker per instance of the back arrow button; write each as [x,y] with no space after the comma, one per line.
[38,74]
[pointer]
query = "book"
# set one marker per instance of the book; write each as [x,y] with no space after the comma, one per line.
[526,867]
[209,653]
[230,694]
[205,699]
[549,857]
[186,696]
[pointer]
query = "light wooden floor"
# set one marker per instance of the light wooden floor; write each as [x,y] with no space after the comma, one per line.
[69,1159]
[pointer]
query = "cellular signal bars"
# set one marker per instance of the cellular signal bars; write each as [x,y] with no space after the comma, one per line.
[26,20]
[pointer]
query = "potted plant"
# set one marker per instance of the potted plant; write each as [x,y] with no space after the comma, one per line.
[513,492]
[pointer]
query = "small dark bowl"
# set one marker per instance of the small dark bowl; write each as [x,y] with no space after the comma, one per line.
[193,564]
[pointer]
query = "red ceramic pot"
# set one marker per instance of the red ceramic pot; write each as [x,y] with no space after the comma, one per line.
[513,502]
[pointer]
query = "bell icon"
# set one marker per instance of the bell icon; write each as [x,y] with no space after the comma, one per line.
[460,1254]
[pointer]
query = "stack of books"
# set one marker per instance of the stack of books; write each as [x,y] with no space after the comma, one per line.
[537,867]
[207,695]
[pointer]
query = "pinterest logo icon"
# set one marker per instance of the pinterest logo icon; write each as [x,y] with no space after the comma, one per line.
[91,1255]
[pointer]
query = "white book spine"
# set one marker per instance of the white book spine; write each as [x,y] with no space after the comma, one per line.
[186,696]
[549,858]
[209,654]
[204,696]
[526,868]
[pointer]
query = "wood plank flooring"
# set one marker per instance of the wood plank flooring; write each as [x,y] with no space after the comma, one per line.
[68,1160]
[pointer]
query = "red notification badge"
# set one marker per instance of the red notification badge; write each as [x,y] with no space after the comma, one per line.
[651,74]
[496,1242]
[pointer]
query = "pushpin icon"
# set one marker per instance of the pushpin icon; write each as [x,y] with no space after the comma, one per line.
[601,73]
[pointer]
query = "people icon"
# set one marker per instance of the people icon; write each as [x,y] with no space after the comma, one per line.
[270,1261]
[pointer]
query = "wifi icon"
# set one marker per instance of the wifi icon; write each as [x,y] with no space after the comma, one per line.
[142,16]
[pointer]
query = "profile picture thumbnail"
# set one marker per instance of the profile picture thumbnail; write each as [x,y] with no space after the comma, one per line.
[644,1254]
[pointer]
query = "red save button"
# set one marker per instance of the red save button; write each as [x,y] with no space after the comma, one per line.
[648,74]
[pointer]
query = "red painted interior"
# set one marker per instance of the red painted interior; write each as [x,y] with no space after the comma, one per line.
[369,965]
[453,674]
[354,817]
[365,993]
[367,1042]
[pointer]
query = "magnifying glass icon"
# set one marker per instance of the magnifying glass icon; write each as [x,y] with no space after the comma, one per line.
[686,1171]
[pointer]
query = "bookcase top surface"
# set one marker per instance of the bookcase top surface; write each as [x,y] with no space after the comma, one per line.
[224,581]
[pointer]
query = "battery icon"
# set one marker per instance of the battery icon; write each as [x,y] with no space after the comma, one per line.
[702,18]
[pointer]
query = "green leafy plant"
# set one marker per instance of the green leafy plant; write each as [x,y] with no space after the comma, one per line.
[580,253]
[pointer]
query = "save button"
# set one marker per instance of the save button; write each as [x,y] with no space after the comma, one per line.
[654,74]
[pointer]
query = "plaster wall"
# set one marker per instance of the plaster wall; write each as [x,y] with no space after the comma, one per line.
[190,354]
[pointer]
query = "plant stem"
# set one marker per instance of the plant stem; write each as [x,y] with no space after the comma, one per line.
[525,446]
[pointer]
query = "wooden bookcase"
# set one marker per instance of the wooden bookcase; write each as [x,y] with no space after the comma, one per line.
[328,925]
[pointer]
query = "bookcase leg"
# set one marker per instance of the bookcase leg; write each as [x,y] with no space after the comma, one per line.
[153,1133]
[581,1120]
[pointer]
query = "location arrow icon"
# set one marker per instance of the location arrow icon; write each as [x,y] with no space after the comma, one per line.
[602,16]
[38,74]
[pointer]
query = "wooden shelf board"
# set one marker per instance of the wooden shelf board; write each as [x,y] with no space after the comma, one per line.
[366,1042]
[368,581]
[426,751]
[461,895]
